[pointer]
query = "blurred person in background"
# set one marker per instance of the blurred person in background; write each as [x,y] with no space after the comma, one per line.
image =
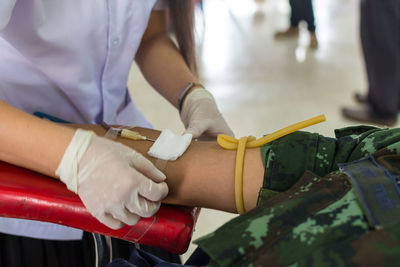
[380,38]
[301,10]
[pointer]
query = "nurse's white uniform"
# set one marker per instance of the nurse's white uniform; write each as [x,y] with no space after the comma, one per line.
[70,59]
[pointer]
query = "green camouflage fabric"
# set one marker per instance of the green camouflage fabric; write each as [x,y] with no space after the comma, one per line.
[377,188]
[286,159]
[309,213]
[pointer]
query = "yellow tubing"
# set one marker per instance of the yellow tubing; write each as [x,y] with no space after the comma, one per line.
[231,143]
[239,200]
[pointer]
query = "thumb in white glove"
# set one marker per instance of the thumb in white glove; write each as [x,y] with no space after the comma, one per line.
[116,184]
[200,115]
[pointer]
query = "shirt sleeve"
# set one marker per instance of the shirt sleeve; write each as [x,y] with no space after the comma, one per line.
[160,5]
[286,159]
[6,8]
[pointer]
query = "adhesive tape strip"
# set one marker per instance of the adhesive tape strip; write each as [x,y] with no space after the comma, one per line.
[112,134]
[161,164]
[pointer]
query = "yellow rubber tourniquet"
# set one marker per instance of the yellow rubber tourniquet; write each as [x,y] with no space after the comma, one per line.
[231,143]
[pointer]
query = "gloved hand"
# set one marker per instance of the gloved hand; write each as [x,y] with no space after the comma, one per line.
[116,184]
[200,115]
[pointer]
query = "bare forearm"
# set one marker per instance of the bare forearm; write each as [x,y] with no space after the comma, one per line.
[31,142]
[204,175]
[163,66]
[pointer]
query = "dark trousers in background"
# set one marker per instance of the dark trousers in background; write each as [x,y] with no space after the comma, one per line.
[302,10]
[380,37]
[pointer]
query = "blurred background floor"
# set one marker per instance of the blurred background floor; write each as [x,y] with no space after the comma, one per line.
[262,84]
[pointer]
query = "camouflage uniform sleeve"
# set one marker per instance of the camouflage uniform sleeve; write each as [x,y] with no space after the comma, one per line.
[289,228]
[316,221]
[286,159]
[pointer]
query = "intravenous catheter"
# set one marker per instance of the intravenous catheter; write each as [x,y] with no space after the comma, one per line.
[125,133]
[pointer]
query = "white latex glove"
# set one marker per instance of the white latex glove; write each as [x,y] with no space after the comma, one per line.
[201,116]
[116,184]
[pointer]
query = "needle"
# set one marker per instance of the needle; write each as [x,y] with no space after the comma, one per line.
[127,133]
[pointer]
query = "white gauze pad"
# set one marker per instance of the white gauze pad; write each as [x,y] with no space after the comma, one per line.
[170,146]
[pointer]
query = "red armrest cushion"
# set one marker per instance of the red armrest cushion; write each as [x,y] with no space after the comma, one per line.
[28,195]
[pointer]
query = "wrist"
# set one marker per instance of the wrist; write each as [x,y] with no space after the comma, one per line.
[68,168]
[185,92]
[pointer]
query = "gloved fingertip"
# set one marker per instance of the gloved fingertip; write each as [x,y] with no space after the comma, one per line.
[132,219]
[162,192]
[145,208]
[152,208]
[116,226]
[159,193]
[110,222]
[153,191]
[160,176]
[146,167]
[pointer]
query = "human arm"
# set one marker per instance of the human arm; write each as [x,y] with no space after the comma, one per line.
[31,142]
[160,60]
[166,70]
[46,147]
[204,175]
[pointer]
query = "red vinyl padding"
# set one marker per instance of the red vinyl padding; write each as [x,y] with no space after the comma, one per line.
[28,195]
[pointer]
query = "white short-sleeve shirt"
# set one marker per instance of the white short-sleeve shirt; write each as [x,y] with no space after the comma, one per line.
[70,59]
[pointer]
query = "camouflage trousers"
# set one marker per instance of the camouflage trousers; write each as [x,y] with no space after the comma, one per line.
[310,213]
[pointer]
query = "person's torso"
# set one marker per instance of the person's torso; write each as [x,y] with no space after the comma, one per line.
[71,59]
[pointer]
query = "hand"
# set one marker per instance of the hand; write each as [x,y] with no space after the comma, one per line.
[200,115]
[116,184]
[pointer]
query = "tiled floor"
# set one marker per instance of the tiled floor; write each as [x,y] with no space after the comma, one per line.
[262,84]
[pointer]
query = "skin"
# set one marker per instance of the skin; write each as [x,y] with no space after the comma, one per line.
[25,139]
[204,175]
[158,55]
